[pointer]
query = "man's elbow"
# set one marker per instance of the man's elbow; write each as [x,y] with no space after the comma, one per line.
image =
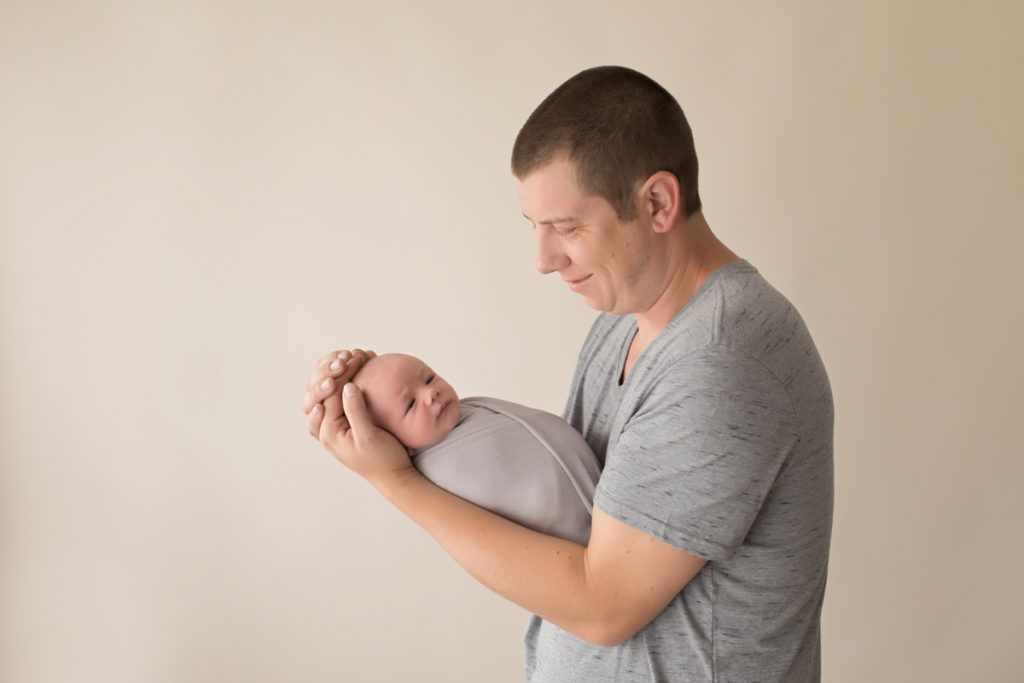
[610,632]
[610,639]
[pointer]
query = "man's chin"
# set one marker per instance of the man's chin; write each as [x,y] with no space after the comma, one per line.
[598,304]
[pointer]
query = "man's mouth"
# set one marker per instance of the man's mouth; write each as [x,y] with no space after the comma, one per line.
[576,284]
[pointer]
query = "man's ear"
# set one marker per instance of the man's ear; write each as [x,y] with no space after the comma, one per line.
[660,199]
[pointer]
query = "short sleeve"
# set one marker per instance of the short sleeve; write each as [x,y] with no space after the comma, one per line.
[698,453]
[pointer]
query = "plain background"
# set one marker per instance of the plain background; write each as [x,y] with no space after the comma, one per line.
[199,199]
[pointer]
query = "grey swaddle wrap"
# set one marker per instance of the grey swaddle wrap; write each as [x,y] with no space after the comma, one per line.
[524,464]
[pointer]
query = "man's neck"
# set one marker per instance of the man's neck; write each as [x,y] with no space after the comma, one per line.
[694,253]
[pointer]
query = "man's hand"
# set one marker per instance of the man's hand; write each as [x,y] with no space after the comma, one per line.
[371,452]
[330,373]
[337,417]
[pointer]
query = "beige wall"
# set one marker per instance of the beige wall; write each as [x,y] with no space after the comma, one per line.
[198,199]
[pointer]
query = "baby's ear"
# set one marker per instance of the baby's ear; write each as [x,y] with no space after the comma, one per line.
[410,451]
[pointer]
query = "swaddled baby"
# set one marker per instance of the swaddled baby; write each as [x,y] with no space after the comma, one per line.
[526,465]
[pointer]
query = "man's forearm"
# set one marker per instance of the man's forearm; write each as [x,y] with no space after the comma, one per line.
[543,574]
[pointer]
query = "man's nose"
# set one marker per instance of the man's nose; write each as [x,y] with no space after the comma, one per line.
[550,256]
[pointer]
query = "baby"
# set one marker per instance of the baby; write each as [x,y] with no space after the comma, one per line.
[523,464]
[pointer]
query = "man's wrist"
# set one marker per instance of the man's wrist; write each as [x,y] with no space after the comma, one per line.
[398,485]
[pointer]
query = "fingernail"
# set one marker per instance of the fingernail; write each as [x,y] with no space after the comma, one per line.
[326,384]
[316,410]
[344,355]
[335,365]
[350,389]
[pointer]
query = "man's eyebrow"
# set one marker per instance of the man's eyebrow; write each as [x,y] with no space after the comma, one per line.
[552,221]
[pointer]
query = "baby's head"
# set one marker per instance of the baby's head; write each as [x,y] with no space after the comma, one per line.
[408,399]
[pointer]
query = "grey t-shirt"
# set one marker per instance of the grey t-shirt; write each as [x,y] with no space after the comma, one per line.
[719,443]
[524,464]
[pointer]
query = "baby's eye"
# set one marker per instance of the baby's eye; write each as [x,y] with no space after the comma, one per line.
[430,379]
[412,402]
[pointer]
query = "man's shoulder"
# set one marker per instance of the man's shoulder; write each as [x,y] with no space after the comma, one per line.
[736,308]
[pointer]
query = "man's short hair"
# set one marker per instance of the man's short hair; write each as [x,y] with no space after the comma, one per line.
[617,127]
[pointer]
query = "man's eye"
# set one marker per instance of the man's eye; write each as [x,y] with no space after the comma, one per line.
[565,232]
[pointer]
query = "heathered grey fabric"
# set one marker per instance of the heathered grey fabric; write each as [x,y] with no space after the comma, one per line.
[524,464]
[719,443]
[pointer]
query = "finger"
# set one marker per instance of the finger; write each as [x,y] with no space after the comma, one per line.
[333,420]
[333,360]
[317,394]
[314,419]
[363,354]
[331,373]
[341,367]
[329,366]
[355,410]
[349,367]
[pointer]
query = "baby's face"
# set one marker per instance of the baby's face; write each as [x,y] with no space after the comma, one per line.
[408,399]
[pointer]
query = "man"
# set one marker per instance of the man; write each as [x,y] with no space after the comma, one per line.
[700,390]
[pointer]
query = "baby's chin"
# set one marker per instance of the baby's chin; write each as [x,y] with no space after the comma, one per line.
[448,422]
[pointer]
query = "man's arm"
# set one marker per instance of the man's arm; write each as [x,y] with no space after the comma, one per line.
[603,593]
